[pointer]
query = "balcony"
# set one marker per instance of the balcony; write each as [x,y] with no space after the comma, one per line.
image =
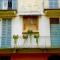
[23,46]
[31,44]
[7,13]
[52,13]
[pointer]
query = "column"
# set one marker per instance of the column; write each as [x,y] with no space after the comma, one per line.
[17,29]
[44,31]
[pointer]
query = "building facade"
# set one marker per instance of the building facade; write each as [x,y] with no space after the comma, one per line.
[29,28]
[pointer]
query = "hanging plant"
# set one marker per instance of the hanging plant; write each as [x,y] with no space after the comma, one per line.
[36,36]
[15,37]
[25,36]
[30,31]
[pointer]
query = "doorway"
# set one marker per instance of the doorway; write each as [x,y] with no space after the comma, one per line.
[30,23]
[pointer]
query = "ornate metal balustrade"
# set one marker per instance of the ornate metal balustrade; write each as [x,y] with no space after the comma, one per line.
[22,46]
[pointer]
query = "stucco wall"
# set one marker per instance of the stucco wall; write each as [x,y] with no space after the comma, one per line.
[44,33]
[29,7]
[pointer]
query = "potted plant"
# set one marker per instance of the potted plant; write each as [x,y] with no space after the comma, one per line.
[30,32]
[15,37]
[36,36]
[25,36]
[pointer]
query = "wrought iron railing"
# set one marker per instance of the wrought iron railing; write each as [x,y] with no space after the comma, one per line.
[33,42]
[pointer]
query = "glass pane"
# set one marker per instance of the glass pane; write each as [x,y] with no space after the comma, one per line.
[9,4]
[5,4]
[14,4]
[53,3]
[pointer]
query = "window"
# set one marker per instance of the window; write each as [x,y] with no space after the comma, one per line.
[6,33]
[8,4]
[53,3]
[30,23]
[5,4]
[55,32]
[14,4]
[54,20]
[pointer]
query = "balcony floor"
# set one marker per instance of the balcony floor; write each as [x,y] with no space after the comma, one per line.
[29,50]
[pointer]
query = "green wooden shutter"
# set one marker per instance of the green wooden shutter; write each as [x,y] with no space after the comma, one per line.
[6,33]
[55,35]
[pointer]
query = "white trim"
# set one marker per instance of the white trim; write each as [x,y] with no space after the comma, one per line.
[59,4]
[5,4]
[46,4]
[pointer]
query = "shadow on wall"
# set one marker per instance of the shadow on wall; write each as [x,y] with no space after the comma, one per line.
[54,57]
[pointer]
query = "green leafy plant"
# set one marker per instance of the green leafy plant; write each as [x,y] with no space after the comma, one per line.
[15,37]
[25,36]
[36,36]
[30,31]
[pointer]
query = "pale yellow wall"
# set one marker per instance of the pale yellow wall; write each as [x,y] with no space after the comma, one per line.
[44,31]
[17,28]
[30,7]
[46,4]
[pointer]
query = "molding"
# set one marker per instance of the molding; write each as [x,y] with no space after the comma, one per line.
[29,50]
